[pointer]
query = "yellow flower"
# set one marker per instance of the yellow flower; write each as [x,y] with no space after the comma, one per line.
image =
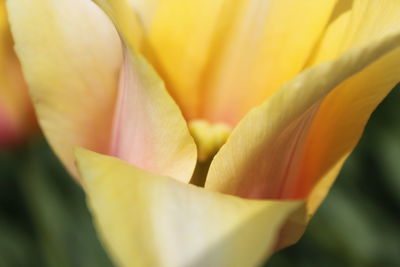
[16,113]
[271,95]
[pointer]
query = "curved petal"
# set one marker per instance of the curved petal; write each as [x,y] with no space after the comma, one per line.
[265,155]
[148,124]
[150,220]
[125,20]
[16,113]
[219,59]
[340,121]
[358,23]
[70,55]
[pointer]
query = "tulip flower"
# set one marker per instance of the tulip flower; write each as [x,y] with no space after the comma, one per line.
[208,131]
[16,113]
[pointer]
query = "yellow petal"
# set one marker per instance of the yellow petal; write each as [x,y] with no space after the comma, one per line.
[16,114]
[150,220]
[70,55]
[219,58]
[269,43]
[341,119]
[148,123]
[265,155]
[181,37]
[356,23]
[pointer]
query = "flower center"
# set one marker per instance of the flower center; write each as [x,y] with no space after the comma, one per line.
[209,138]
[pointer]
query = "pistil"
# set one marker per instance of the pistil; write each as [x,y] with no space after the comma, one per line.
[209,138]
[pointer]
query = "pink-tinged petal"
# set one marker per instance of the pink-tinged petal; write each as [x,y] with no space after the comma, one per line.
[71,55]
[265,155]
[8,131]
[17,118]
[341,119]
[148,125]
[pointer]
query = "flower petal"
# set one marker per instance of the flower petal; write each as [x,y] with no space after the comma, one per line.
[340,121]
[265,155]
[16,114]
[148,124]
[219,59]
[181,36]
[70,55]
[269,43]
[357,23]
[125,20]
[9,134]
[150,220]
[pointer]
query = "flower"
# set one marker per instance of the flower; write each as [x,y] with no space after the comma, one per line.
[16,113]
[269,100]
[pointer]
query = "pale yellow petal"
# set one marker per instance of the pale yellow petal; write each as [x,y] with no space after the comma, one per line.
[70,55]
[359,22]
[266,155]
[126,20]
[149,220]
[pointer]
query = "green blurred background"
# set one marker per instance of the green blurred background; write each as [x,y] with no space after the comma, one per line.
[44,220]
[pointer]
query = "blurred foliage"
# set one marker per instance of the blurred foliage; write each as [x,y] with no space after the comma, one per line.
[44,220]
[43,217]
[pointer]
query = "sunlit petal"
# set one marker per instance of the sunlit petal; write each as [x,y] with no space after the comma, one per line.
[341,119]
[71,55]
[150,220]
[265,155]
